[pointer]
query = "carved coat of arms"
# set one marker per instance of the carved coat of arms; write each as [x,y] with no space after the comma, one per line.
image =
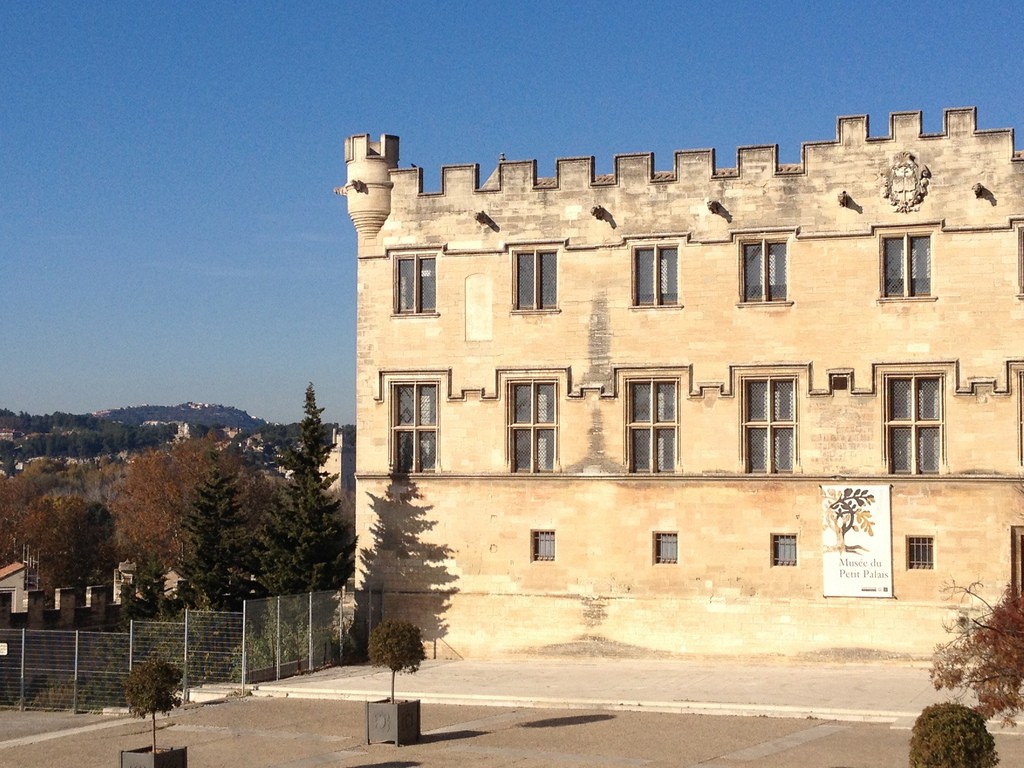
[905,183]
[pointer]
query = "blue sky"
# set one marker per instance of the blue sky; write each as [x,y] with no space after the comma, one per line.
[168,230]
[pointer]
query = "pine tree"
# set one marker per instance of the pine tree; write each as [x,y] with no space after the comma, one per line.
[306,547]
[216,563]
[145,599]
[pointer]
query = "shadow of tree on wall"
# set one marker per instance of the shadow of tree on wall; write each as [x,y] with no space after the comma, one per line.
[405,576]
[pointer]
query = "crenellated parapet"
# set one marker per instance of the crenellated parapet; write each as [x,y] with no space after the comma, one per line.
[720,351]
[842,186]
[97,611]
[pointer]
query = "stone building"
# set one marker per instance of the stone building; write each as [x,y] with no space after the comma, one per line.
[768,408]
[12,582]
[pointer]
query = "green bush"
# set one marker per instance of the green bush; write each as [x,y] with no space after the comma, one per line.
[397,645]
[153,686]
[950,735]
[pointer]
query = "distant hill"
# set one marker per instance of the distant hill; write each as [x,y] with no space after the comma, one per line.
[121,432]
[205,414]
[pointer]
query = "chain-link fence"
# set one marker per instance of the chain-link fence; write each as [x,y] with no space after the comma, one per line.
[85,671]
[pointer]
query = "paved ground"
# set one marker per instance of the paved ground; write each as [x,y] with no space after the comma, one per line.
[532,714]
[879,692]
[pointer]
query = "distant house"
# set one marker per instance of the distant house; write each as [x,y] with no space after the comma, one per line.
[124,575]
[12,582]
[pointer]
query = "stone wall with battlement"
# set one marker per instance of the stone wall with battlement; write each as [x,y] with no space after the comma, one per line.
[94,610]
[838,334]
[756,194]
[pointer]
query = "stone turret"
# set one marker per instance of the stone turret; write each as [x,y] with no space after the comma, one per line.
[368,188]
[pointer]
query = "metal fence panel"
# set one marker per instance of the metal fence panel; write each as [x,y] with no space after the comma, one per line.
[291,634]
[11,641]
[49,670]
[160,639]
[102,670]
[63,669]
[260,640]
[79,671]
[214,647]
[325,630]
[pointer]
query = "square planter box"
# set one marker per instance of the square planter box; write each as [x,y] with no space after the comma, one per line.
[397,721]
[172,757]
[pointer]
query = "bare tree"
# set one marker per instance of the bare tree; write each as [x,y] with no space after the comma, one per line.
[986,654]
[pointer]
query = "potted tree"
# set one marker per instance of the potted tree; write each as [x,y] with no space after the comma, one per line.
[153,686]
[397,645]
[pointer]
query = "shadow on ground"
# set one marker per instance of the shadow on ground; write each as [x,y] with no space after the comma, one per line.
[559,722]
[434,738]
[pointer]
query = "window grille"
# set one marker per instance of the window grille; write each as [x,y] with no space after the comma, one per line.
[655,276]
[1020,262]
[536,280]
[920,553]
[416,290]
[770,425]
[903,256]
[784,549]
[765,279]
[543,546]
[914,424]
[415,428]
[652,426]
[533,427]
[666,548]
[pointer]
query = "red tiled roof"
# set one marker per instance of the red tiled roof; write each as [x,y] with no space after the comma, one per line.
[10,570]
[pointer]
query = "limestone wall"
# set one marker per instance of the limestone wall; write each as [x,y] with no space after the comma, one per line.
[458,558]
[836,334]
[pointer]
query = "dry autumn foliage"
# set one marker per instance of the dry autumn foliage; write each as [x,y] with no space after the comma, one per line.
[159,488]
[986,656]
[14,499]
[73,540]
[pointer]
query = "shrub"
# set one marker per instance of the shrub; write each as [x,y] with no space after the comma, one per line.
[397,645]
[950,735]
[153,686]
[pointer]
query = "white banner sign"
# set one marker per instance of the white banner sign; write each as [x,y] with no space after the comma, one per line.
[856,535]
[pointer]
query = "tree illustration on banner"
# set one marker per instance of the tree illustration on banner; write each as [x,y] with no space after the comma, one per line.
[856,540]
[848,510]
